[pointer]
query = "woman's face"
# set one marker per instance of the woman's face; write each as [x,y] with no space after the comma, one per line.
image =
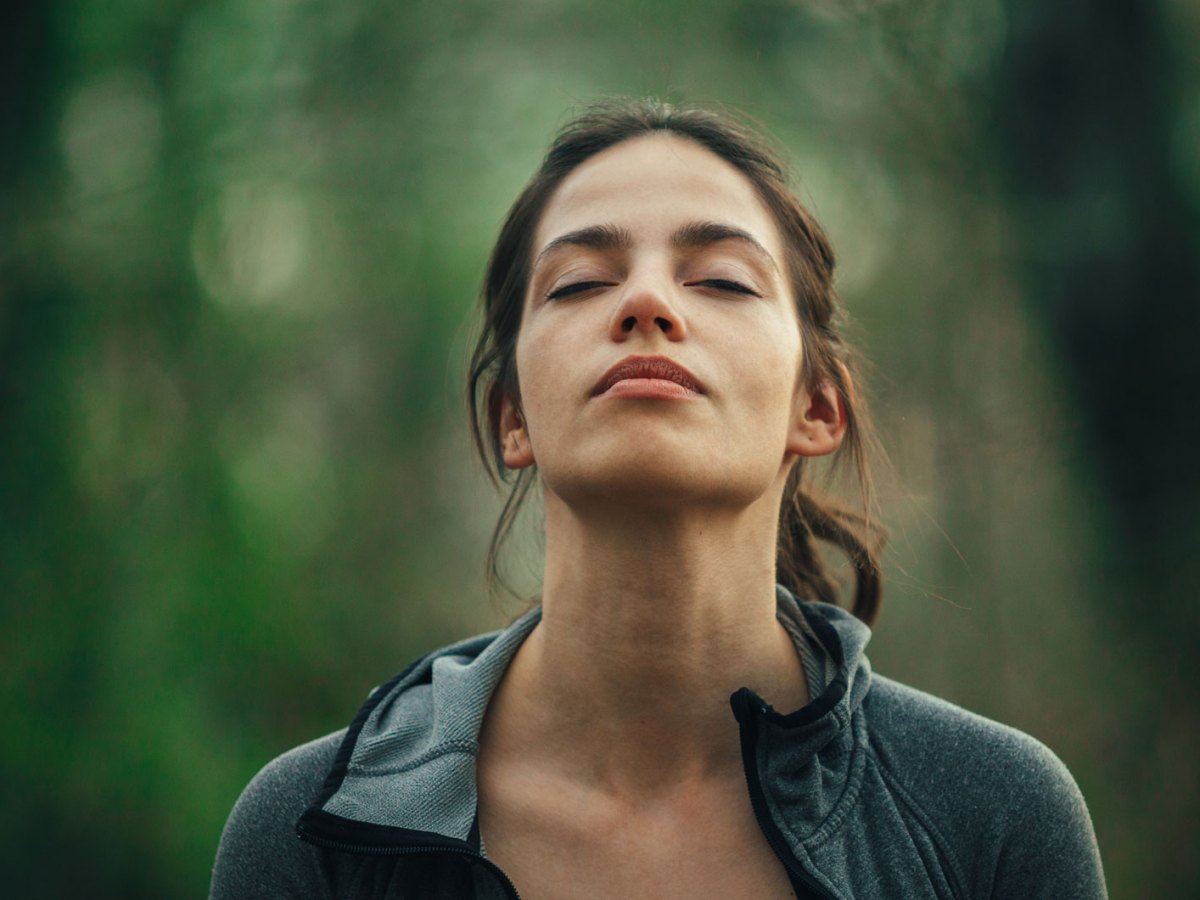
[659,356]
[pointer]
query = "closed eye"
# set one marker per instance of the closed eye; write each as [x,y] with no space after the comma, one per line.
[578,287]
[724,284]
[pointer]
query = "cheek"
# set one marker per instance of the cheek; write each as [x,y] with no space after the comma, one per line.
[535,376]
[526,375]
[770,369]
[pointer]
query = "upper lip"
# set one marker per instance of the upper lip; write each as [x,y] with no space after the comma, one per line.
[648,367]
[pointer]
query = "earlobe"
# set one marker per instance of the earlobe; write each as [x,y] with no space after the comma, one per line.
[820,422]
[514,438]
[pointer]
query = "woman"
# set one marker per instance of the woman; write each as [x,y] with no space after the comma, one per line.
[660,346]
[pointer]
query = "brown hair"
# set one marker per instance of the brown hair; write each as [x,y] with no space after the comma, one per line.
[803,518]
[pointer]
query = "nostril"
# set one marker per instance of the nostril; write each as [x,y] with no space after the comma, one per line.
[663,324]
[629,323]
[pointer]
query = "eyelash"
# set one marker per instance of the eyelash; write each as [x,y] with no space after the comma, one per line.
[722,284]
[577,288]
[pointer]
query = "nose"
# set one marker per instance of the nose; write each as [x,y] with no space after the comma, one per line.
[647,306]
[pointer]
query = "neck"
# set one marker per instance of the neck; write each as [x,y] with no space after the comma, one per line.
[650,622]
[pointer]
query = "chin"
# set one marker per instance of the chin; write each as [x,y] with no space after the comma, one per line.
[648,477]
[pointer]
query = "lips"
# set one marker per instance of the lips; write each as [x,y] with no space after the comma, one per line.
[653,367]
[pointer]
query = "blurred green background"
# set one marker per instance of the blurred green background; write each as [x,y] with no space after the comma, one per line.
[240,244]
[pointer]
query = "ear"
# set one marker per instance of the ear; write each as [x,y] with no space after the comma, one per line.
[514,438]
[818,422]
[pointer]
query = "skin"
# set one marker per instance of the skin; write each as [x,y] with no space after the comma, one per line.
[610,737]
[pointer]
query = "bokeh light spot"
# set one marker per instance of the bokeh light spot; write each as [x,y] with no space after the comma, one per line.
[111,132]
[249,246]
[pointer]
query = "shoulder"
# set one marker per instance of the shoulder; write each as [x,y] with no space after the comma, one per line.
[924,740]
[1001,799]
[908,723]
[260,854]
[291,780]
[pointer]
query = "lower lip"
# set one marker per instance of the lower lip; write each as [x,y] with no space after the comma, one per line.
[652,388]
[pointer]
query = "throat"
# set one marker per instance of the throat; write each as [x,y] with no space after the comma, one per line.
[648,627]
[636,716]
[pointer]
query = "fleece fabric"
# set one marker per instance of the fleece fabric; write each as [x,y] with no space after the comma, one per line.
[872,790]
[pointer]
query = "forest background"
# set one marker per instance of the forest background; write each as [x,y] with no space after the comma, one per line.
[240,244]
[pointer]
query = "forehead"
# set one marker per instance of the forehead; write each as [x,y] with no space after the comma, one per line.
[652,183]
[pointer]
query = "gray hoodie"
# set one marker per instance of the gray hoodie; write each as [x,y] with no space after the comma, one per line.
[872,790]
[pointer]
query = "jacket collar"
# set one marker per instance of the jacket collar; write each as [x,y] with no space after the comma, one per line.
[405,770]
[809,763]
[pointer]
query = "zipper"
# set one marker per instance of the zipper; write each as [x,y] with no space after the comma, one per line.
[412,850]
[743,709]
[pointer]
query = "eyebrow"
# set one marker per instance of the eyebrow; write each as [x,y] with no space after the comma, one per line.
[594,237]
[691,235]
[702,234]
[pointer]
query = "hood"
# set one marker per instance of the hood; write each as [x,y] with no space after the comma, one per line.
[405,771]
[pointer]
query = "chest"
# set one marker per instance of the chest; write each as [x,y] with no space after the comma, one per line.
[562,845]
